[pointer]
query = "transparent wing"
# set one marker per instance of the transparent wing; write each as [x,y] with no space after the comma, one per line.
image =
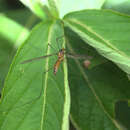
[77,56]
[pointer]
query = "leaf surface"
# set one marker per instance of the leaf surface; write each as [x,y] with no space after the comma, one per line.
[33,97]
[95,91]
[106,31]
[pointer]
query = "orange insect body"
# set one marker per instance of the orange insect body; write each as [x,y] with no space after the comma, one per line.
[60,59]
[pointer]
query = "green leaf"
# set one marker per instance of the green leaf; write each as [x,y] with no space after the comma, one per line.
[33,97]
[39,8]
[11,31]
[6,54]
[106,31]
[23,16]
[12,35]
[54,7]
[122,6]
[97,91]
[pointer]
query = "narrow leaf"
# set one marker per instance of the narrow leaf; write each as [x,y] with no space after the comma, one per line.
[10,30]
[12,34]
[37,8]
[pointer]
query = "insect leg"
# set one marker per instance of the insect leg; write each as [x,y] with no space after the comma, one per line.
[52,47]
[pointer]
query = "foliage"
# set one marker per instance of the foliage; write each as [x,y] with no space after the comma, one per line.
[33,98]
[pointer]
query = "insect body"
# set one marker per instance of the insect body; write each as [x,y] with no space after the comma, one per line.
[60,59]
[61,53]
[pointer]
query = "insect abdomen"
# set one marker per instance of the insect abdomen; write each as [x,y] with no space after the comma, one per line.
[56,66]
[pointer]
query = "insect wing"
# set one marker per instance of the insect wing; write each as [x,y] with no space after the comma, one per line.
[76,56]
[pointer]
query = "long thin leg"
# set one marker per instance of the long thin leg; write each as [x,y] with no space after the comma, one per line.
[75,56]
[48,70]
[52,47]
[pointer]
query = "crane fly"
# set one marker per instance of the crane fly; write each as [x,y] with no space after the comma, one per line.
[60,54]
[60,57]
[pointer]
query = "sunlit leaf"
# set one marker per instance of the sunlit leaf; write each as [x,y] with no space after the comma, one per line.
[33,97]
[41,8]
[11,30]
[12,35]
[107,31]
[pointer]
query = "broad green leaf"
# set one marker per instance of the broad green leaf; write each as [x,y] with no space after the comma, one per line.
[38,7]
[33,97]
[106,31]
[94,92]
[122,6]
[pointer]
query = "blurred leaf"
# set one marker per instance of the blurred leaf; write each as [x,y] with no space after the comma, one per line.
[11,35]
[38,8]
[122,6]
[3,5]
[6,54]
[11,30]
[107,31]
[53,7]
[30,95]
[67,6]
[23,16]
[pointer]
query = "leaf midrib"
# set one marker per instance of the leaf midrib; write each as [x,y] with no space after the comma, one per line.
[46,76]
